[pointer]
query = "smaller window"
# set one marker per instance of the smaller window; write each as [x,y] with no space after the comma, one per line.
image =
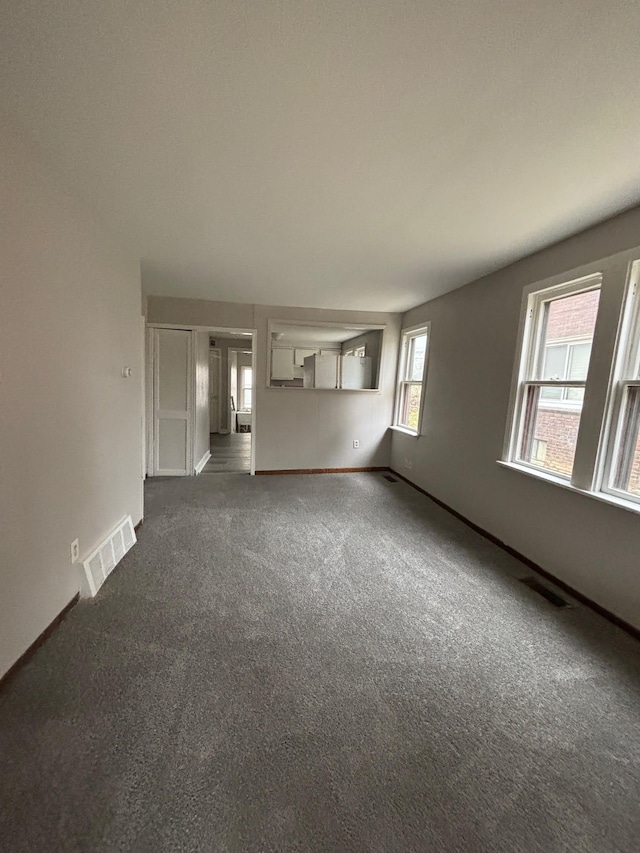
[411,377]
[539,451]
[246,380]
[357,351]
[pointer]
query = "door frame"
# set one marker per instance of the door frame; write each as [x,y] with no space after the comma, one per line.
[226,331]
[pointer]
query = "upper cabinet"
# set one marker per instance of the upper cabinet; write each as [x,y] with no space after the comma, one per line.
[282,363]
[327,356]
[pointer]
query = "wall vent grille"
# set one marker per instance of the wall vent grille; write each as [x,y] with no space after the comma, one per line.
[101,562]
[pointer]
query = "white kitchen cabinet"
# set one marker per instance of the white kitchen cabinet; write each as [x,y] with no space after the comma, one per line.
[282,363]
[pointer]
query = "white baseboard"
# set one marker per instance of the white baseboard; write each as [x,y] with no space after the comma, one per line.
[203,461]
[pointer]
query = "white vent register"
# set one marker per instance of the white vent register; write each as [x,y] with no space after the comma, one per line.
[99,564]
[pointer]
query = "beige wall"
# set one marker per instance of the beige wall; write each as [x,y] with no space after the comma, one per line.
[202,396]
[182,312]
[590,545]
[70,425]
[298,428]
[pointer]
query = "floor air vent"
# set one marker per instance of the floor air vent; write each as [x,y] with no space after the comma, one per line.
[541,589]
[99,565]
[390,478]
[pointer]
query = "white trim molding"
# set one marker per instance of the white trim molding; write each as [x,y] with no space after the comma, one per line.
[206,457]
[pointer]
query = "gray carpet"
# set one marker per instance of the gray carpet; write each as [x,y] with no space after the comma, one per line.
[324,663]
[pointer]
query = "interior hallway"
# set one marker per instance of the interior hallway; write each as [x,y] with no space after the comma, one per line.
[320,663]
[230,453]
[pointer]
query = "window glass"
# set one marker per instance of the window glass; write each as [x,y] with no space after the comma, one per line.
[410,407]
[417,351]
[553,428]
[627,473]
[555,360]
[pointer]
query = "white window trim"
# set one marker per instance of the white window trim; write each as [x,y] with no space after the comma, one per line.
[405,337]
[600,413]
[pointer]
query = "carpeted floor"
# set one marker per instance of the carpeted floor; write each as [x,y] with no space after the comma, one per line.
[324,663]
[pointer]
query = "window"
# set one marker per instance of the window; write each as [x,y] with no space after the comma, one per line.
[575,403]
[246,379]
[565,361]
[359,351]
[622,475]
[411,375]
[539,451]
[555,361]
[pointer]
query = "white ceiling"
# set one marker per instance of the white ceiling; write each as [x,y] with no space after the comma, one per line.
[342,153]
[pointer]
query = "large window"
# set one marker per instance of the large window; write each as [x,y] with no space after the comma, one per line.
[560,325]
[622,471]
[575,404]
[411,377]
[246,382]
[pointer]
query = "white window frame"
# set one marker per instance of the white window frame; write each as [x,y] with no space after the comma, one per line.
[617,329]
[406,337]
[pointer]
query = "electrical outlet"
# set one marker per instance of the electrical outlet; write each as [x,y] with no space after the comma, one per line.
[356,443]
[75,551]
[407,462]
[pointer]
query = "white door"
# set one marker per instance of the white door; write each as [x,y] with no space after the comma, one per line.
[214,390]
[172,402]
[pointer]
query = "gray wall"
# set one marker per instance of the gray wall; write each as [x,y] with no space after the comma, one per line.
[202,396]
[300,428]
[590,545]
[70,425]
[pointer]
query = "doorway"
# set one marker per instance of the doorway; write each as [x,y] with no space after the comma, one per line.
[231,446]
[201,409]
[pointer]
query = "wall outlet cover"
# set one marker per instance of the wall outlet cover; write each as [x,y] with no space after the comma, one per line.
[356,443]
[75,551]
